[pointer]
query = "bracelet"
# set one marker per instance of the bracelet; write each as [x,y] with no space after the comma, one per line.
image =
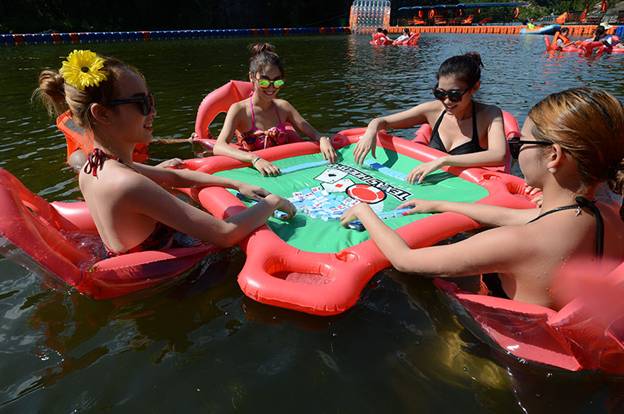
[255,160]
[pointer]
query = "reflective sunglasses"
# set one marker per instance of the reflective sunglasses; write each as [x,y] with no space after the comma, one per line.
[146,102]
[454,95]
[515,144]
[265,83]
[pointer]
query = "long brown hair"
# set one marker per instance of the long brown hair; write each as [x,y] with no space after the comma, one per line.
[589,125]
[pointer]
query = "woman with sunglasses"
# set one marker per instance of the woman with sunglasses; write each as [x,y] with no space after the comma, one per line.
[471,133]
[128,201]
[265,118]
[572,143]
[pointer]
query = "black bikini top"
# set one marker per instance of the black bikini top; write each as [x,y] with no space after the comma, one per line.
[582,202]
[95,161]
[469,147]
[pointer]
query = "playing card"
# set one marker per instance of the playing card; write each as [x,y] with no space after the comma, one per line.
[331,175]
[338,186]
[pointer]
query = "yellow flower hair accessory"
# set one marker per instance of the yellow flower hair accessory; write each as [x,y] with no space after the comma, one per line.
[82,69]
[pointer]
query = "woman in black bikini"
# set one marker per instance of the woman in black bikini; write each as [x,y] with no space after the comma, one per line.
[572,143]
[129,202]
[471,133]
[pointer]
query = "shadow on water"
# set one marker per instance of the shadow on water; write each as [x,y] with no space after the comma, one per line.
[203,344]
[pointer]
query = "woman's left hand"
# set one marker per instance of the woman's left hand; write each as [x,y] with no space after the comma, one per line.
[252,191]
[327,149]
[172,163]
[419,173]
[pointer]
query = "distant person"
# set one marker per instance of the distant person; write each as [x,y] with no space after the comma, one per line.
[469,132]
[560,40]
[263,120]
[530,24]
[602,41]
[404,37]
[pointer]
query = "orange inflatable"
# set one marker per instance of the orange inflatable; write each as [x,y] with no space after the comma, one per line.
[79,139]
[512,129]
[60,239]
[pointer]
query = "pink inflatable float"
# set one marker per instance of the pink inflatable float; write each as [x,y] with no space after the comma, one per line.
[60,239]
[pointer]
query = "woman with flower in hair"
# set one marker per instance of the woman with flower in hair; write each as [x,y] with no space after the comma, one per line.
[469,132]
[129,202]
[262,120]
[572,144]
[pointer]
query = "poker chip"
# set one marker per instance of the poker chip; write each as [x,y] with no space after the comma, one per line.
[366,193]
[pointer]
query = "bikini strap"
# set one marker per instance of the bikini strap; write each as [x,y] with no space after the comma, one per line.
[591,205]
[582,202]
[437,124]
[475,132]
[253,114]
[95,161]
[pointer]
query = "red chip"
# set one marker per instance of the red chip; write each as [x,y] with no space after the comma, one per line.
[366,193]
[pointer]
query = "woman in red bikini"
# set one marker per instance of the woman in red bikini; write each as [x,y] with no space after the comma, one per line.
[129,202]
[265,119]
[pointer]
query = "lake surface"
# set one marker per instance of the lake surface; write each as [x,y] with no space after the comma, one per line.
[201,344]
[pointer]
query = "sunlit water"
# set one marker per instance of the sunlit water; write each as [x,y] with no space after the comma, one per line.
[202,345]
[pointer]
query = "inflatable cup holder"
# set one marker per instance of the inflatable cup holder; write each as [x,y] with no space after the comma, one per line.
[310,273]
[515,187]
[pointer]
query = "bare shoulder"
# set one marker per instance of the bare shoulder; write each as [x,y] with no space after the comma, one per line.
[283,104]
[489,112]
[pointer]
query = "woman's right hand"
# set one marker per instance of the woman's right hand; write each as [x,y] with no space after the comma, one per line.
[420,206]
[535,195]
[266,168]
[281,204]
[366,143]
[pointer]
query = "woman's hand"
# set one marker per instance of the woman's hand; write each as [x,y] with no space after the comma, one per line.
[366,143]
[252,191]
[420,206]
[534,194]
[419,173]
[265,167]
[352,214]
[282,204]
[172,163]
[327,149]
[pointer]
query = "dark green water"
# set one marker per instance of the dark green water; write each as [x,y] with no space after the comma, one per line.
[202,345]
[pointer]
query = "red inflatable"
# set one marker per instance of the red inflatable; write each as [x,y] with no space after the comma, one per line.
[280,274]
[411,41]
[586,334]
[61,239]
[587,48]
[77,138]
[512,129]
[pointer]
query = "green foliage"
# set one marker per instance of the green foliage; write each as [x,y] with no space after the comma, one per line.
[73,15]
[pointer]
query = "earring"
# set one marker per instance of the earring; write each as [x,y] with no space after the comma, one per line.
[552,170]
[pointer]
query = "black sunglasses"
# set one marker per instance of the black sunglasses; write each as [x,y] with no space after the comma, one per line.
[515,144]
[454,95]
[146,102]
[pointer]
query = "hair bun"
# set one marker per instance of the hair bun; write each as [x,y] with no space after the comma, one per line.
[258,48]
[476,57]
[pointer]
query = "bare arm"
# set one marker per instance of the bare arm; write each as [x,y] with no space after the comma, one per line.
[492,251]
[142,196]
[413,116]
[183,178]
[299,122]
[492,216]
